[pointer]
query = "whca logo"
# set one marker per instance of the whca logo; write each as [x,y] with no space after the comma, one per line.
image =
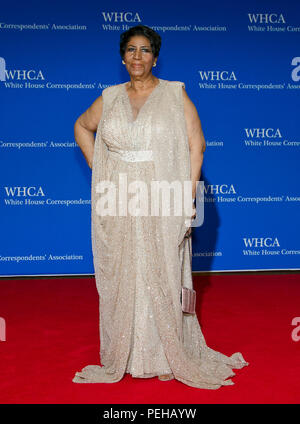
[19,74]
[121,17]
[266,18]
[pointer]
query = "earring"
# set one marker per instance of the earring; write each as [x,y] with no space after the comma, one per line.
[123,62]
[154,64]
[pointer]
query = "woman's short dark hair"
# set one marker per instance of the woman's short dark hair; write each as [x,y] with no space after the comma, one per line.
[153,37]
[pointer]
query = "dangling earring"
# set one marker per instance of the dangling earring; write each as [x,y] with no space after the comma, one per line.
[154,64]
[123,62]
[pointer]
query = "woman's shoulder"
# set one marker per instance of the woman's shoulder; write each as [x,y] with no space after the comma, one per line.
[174,83]
[175,88]
[111,89]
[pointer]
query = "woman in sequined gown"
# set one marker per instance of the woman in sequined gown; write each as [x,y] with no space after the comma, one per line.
[147,130]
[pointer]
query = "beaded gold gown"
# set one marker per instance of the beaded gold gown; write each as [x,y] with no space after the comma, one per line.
[142,261]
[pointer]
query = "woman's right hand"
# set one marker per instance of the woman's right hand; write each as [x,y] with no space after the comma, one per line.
[189,231]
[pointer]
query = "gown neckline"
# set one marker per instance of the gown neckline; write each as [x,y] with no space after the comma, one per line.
[129,107]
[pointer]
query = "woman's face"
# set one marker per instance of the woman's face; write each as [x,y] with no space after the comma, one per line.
[138,56]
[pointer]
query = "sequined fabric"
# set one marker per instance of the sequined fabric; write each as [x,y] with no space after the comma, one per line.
[141,262]
[132,155]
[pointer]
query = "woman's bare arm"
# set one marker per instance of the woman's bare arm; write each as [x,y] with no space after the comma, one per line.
[196,139]
[85,128]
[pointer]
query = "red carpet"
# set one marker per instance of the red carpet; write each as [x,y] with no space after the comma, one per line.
[52,332]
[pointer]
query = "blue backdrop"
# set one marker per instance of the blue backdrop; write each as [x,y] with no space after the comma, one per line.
[240,62]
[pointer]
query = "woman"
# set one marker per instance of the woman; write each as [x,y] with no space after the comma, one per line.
[147,130]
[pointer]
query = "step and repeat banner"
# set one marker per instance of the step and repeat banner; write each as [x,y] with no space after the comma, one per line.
[240,62]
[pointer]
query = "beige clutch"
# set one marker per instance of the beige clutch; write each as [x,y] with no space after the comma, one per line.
[188,300]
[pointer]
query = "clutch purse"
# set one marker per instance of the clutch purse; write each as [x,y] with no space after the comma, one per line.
[188,300]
